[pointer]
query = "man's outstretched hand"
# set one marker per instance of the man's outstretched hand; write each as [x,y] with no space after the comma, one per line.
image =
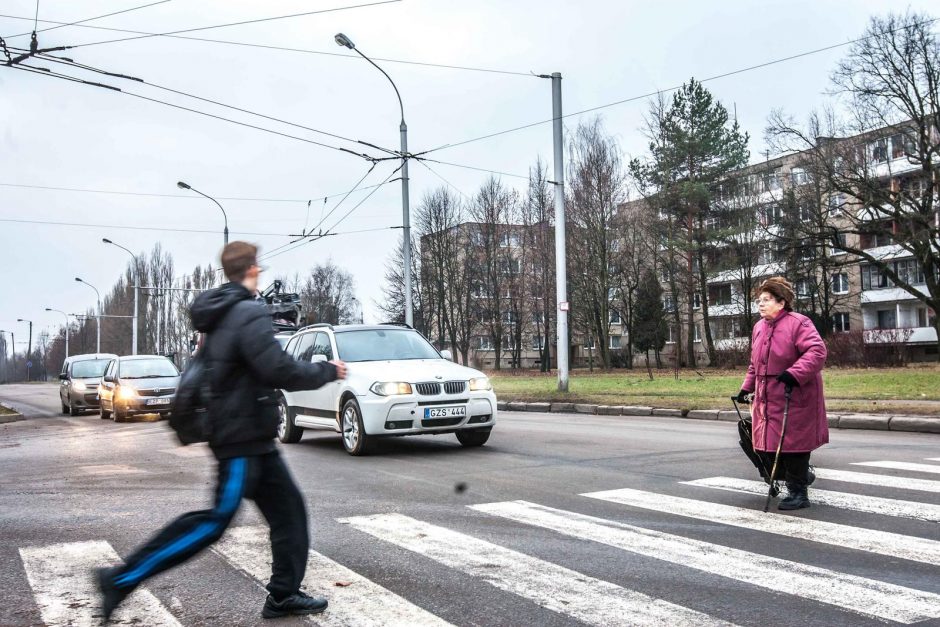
[340,368]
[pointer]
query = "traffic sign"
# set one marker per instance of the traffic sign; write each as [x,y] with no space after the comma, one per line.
[563,306]
[29,364]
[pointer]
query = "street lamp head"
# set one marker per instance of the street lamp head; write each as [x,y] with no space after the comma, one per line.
[47,309]
[106,240]
[344,41]
[79,280]
[182,185]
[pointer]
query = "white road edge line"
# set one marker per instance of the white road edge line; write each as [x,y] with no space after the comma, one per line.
[61,576]
[359,602]
[882,481]
[553,587]
[901,466]
[844,500]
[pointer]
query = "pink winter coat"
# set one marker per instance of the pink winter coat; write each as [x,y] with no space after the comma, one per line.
[789,342]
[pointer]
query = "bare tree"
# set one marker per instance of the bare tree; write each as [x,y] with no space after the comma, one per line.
[393,303]
[891,78]
[537,215]
[327,294]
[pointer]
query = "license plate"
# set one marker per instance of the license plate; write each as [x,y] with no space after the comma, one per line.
[158,401]
[445,412]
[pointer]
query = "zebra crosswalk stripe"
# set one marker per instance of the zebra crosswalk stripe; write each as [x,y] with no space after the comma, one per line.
[567,592]
[859,595]
[844,500]
[357,602]
[882,481]
[869,540]
[931,468]
[61,576]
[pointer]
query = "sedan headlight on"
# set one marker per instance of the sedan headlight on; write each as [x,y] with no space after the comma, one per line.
[127,393]
[78,386]
[390,388]
[480,384]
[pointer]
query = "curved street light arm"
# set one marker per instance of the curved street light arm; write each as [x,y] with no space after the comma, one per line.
[400,105]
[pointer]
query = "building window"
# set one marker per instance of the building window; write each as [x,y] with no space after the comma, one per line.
[508,317]
[538,318]
[804,287]
[901,146]
[508,343]
[773,214]
[840,322]
[538,342]
[696,332]
[879,151]
[719,294]
[508,240]
[615,317]
[839,243]
[668,303]
[887,319]
[836,202]
[615,342]
[910,271]
[509,266]
[697,300]
[484,343]
[806,212]
[590,344]
[615,246]
[840,283]
[798,176]
[478,291]
[672,334]
[873,278]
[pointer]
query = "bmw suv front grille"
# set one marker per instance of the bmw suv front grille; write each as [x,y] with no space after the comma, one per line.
[455,387]
[428,389]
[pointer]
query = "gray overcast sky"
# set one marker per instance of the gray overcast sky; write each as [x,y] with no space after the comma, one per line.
[54,133]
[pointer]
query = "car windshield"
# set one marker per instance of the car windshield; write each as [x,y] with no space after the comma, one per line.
[148,368]
[89,368]
[382,345]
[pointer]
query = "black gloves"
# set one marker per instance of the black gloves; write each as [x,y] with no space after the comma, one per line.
[743,397]
[788,379]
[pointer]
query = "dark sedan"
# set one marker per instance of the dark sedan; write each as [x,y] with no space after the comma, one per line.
[140,384]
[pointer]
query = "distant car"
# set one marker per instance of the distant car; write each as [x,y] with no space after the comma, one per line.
[283,337]
[398,384]
[139,384]
[79,379]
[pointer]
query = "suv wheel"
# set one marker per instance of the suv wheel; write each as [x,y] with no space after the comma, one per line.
[355,440]
[65,408]
[287,431]
[474,437]
[118,415]
[73,410]
[105,415]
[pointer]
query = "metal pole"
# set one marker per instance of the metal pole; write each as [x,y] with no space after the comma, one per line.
[29,351]
[561,271]
[406,223]
[136,308]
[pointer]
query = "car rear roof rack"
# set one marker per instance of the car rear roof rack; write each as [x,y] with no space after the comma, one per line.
[319,325]
[398,324]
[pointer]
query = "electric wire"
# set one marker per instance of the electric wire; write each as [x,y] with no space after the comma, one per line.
[470,167]
[665,91]
[446,182]
[289,49]
[241,23]
[90,19]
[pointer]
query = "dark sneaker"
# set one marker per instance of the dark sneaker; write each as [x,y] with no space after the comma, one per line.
[797,499]
[111,595]
[295,604]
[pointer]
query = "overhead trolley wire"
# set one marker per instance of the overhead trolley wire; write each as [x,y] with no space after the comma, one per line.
[90,19]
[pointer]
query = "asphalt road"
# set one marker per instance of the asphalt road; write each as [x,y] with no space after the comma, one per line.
[408,549]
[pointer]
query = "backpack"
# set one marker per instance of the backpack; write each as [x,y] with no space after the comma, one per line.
[189,416]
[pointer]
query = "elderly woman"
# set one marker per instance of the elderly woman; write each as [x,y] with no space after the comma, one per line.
[786,353]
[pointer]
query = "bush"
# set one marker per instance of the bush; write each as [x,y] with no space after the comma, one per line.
[733,354]
[846,349]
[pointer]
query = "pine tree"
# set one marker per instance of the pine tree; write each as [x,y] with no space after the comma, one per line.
[649,318]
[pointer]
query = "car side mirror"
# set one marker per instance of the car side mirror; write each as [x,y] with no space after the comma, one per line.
[108,379]
[317,359]
[63,376]
[446,354]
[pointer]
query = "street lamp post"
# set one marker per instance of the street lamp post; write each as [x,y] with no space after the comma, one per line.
[137,288]
[183,185]
[29,347]
[98,317]
[66,329]
[346,42]
[12,351]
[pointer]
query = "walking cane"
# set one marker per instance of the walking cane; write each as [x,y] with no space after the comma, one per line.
[783,430]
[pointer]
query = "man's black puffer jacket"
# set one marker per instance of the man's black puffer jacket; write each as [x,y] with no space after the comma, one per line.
[246,365]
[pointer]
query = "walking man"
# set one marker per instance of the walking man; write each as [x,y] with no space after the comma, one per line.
[245,363]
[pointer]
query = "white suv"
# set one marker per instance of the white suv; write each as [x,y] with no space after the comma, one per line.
[397,384]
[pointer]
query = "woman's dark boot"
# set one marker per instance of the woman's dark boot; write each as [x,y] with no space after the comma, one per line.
[798,497]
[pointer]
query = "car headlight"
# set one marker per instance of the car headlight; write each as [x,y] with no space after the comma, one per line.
[480,384]
[126,393]
[390,388]
[79,386]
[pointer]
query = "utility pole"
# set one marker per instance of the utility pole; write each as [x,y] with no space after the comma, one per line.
[561,270]
[29,348]
[66,329]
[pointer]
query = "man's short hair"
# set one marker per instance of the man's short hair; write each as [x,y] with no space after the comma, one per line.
[237,258]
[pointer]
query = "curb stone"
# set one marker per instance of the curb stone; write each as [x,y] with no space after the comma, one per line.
[637,410]
[540,407]
[833,420]
[514,406]
[864,421]
[562,407]
[610,410]
[730,416]
[585,409]
[675,413]
[703,414]
[914,423]
[502,406]
[14,417]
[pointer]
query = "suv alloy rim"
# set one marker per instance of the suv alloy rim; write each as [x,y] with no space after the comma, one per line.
[282,420]
[350,428]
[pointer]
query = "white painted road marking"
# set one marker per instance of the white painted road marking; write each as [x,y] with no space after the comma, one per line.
[845,500]
[931,468]
[553,587]
[361,603]
[884,481]
[870,540]
[856,594]
[61,576]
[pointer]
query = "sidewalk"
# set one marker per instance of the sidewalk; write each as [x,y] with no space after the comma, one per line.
[880,422]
